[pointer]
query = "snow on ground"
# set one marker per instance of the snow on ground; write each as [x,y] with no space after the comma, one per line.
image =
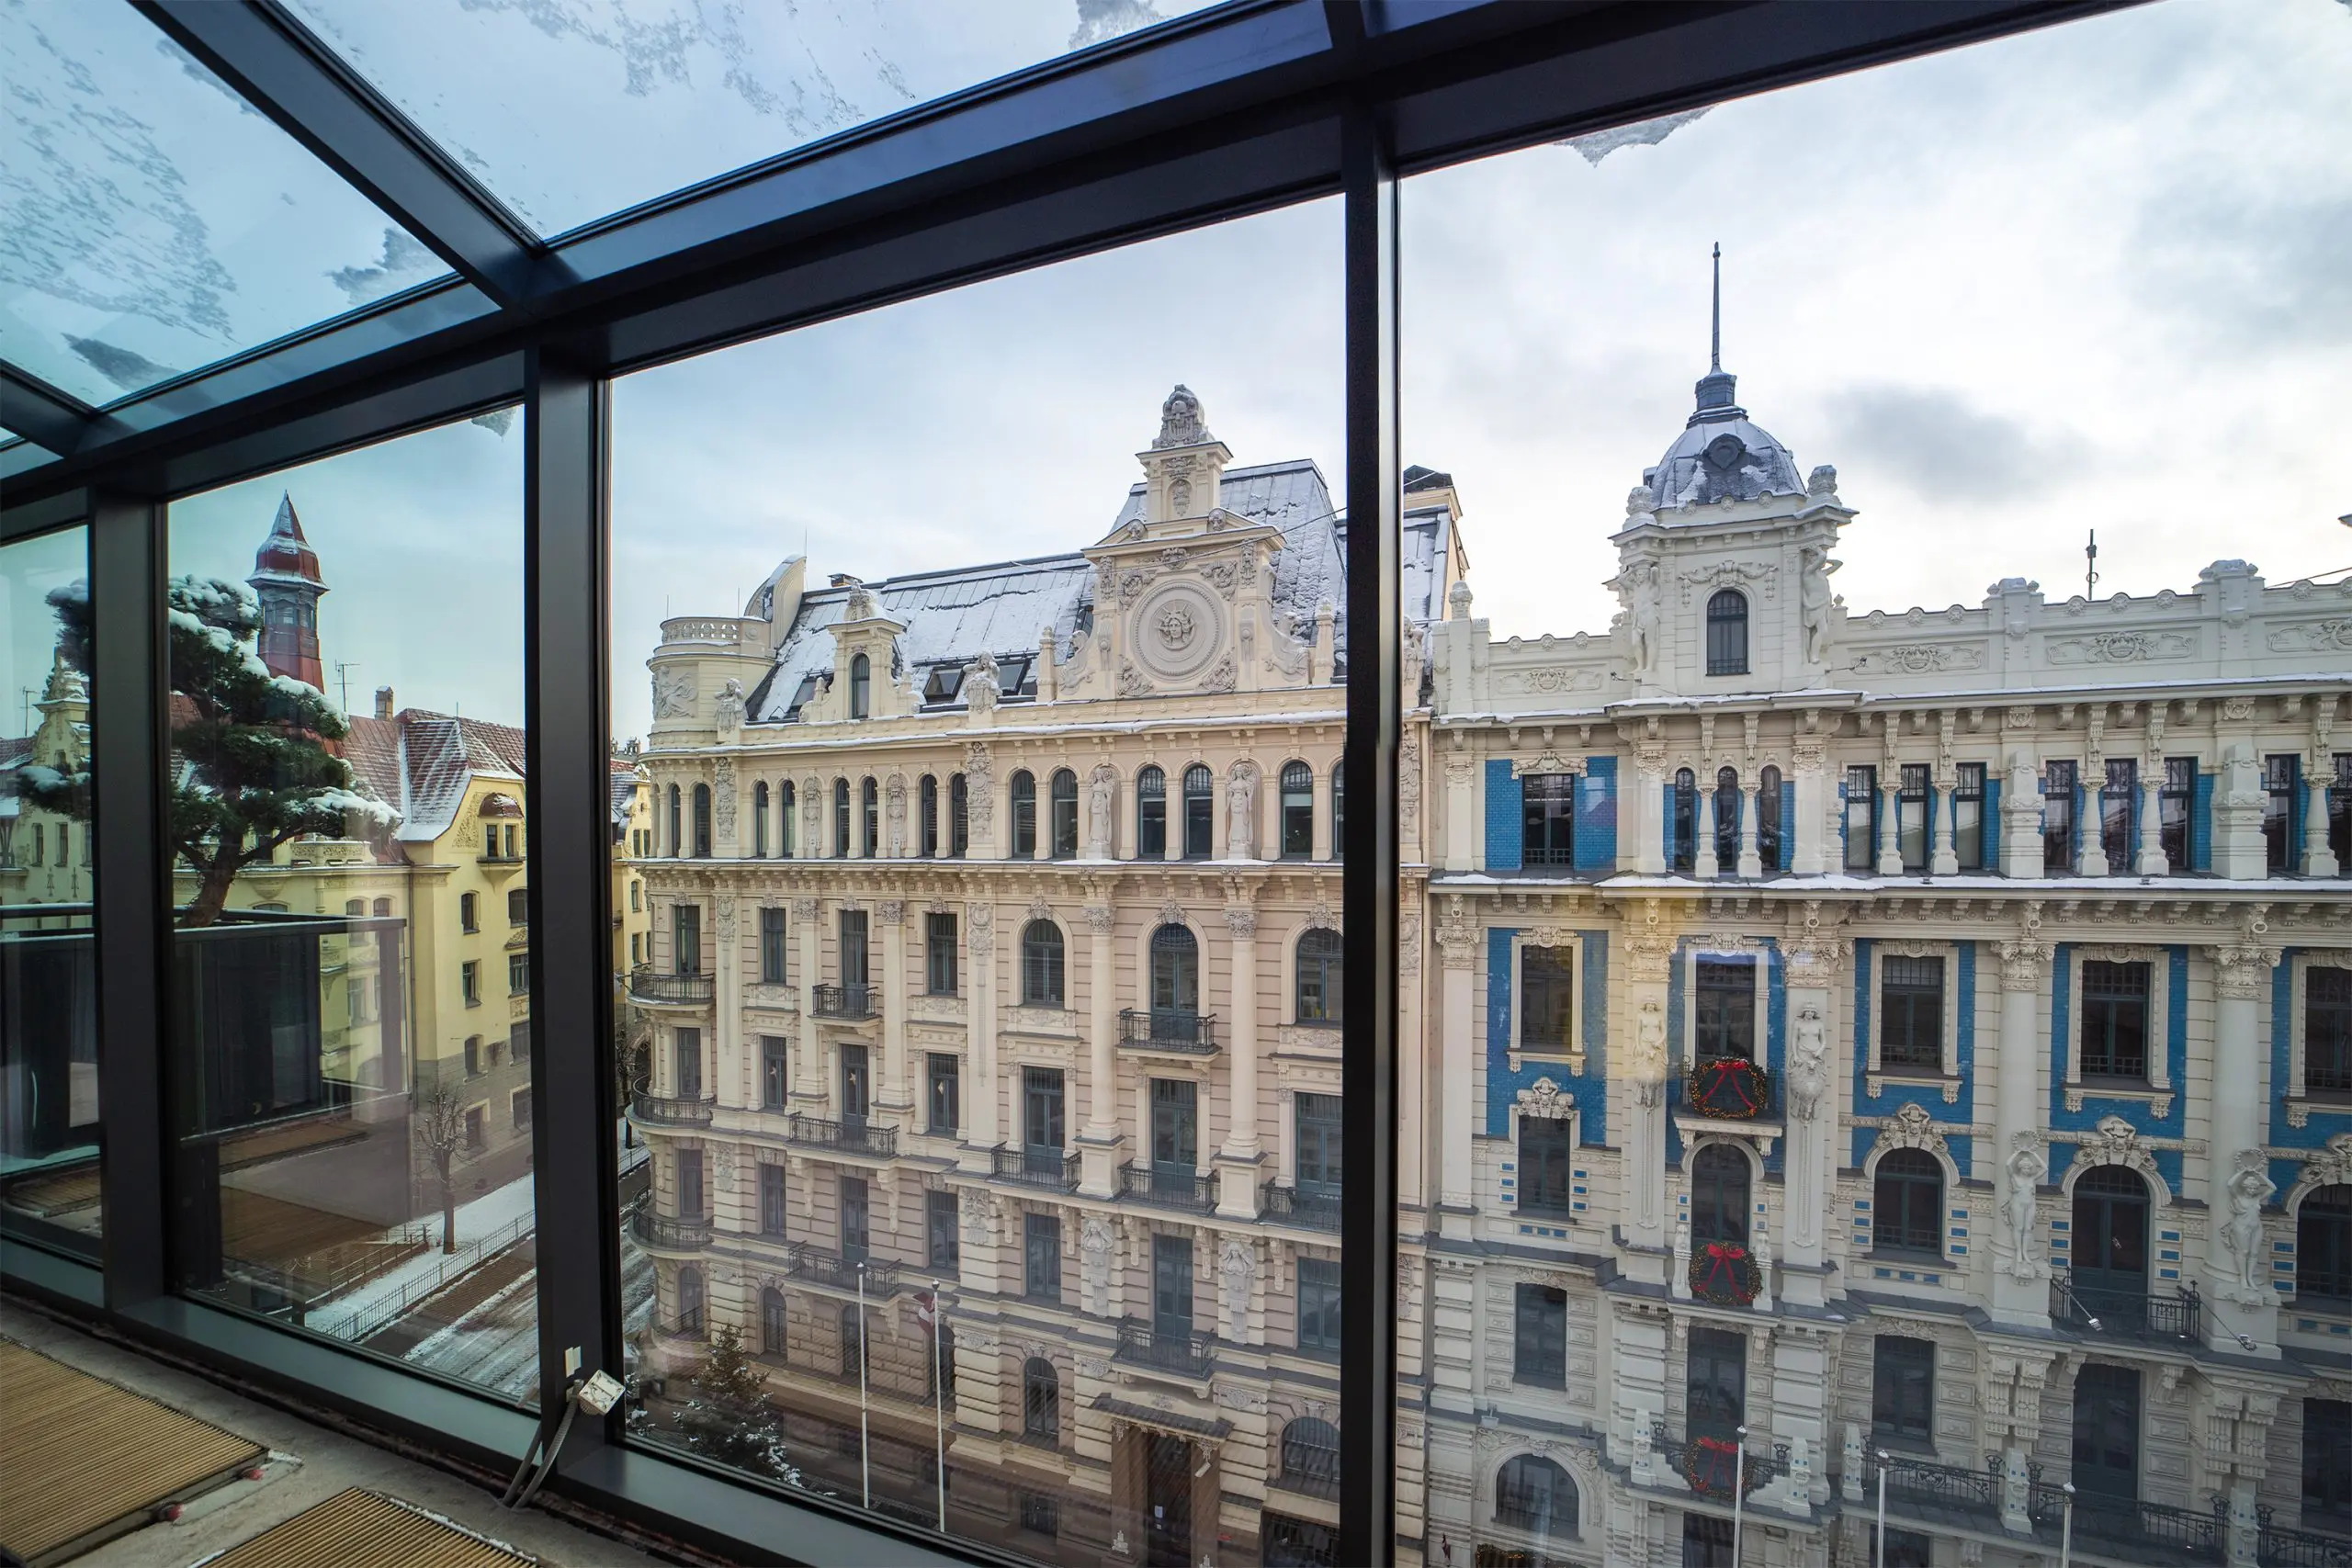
[494,1211]
[496,1346]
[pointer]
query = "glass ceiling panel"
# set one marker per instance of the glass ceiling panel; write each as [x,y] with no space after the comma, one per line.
[568,110]
[151,221]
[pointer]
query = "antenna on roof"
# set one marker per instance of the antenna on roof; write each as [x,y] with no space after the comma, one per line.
[2090,567]
[342,669]
[1715,350]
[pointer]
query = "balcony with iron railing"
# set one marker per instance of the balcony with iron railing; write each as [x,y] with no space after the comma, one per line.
[2125,1527]
[2177,1319]
[1941,1495]
[1183,1350]
[655,988]
[1316,1210]
[669,1233]
[852,1136]
[1036,1167]
[852,1003]
[1714,1467]
[1168,1029]
[830,1271]
[670,1109]
[1169,1185]
[2280,1547]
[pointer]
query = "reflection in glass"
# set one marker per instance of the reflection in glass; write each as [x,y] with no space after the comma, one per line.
[157,222]
[353,1129]
[49,1055]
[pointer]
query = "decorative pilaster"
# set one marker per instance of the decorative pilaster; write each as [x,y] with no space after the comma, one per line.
[980,947]
[2238,1183]
[1944,860]
[1704,861]
[1100,1144]
[890,913]
[2020,1295]
[808,1067]
[1457,942]
[1751,861]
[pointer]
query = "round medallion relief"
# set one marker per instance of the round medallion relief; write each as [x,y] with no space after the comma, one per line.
[1178,629]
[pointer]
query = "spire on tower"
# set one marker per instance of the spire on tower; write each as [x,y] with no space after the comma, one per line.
[1715,350]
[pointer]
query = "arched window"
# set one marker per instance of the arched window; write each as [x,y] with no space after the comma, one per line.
[383,906]
[1719,1196]
[2109,1244]
[930,803]
[840,819]
[1727,633]
[1041,1400]
[1175,974]
[690,1300]
[959,816]
[1200,808]
[702,821]
[1024,816]
[1041,965]
[1299,811]
[1065,843]
[677,840]
[760,819]
[1908,1203]
[772,1322]
[1535,1494]
[869,808]
[469,912]
[1311,1456]
[1151,815]
[1340,811]
[1682,822]
[786,828]
[1767,820]
[2323,1244]
[1727,805]
[1318,977]
[861,685]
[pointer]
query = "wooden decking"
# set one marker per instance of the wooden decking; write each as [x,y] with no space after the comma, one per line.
[364,1529]
[82,1461]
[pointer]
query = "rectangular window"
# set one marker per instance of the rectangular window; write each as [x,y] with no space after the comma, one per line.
[518,907]
[2339,813]
[1175,1123]
[1041,1514]
[468,910]
[473,1055]
[476,1138]
[1714,1383]
[1911,1015]
[469,982]
[1171,1286]
[942,1235]
[2174,804]
[519,1110]
[1043,1127]
[939,954]
[2118,809]
[775,1072]
[2327,1029]
[691,1202]
[1318,1122]
[1547,999]
[1545,1158]
[858,1083]
[1041,1257]
[687,1046]
[1968,815]
[1911,815]
[1725,1008]
[2115,1020]
[1151,817]
[944,1092]
[1540,1336]
[1903,1391]
[2058,817]
[518,974]
[857,1235]
[1319,1304]
[773,948]
[2328,1465]
[853,928]
[687,937]
[1548,834]
[772,1201]
[1861,819]
[2281,780]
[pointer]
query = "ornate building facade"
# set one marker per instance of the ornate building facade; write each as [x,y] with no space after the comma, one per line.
[1911,1042]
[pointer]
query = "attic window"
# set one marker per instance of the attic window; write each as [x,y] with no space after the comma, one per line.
[1014,674]
[807,689]
[944,683]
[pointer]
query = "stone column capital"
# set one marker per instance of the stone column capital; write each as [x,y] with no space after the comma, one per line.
[2241,970]
[2025,964]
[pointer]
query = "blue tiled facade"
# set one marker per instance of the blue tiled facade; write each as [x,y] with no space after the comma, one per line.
[1505,821]
[1893,1097]
[1503,1085]
[2172,974]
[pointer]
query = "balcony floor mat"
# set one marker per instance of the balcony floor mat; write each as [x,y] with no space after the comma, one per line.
[82,1461]
[366,1530]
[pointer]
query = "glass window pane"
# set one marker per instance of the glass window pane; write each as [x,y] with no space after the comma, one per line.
[49,1046]
[571,112]
[347,694]
[1094,1121]
[156,222]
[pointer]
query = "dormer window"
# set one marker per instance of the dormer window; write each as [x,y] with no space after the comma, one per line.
[861,685]
[1727,633]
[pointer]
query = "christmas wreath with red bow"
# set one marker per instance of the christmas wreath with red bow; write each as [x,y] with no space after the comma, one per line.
[1730,1087]
[1712,1466]
[1726,1274]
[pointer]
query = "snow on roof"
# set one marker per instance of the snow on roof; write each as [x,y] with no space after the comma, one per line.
[423,763]
[624,782]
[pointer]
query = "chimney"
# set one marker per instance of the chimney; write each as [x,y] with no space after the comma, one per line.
[383,702]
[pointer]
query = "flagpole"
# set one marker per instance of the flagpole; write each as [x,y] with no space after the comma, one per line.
[1738,1495]
[939,1400]
[1880,1559]
[864,1428]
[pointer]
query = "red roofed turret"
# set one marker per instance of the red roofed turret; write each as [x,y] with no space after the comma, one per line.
[286,577]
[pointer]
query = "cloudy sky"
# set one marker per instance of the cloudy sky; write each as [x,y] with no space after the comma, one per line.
[2089,278]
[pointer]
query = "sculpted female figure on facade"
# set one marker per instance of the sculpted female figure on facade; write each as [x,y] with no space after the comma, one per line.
[1808,1063]
[1100,792]
[1814,600]
[1241,811]
[1640,579]
[2024,1172]
[2242,1233]
[1649,1066]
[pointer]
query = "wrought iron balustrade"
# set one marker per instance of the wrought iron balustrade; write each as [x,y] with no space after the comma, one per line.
[2128,1314]
[2120,1525]
[647,984]
[1189,1351]
[1317,1210]
[1168,1029]
[851,1135]
[842,1002]
[1037,1167]
[2279,1547]
[670,1109]
[822,1266]
[1934,1491]
[1712,1465]
[670,1233]
[1171,1187]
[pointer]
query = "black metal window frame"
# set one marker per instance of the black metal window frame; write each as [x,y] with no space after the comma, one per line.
[2327,1029]
[1246,107]
[1727,633]
[1539,1336]
[943,1091]
[1860,817]
[2117,1009]
[1903,1391]
[2176,801]
[1907,1204]
[1911,1014]
[2283,791]
[2118,813]
[939,947]
[1968,815]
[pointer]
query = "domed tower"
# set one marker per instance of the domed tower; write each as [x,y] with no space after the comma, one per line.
[285,576]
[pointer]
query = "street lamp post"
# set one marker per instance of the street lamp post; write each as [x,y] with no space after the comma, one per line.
[2066,1530]
[1880,1559]
[1738,1495]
